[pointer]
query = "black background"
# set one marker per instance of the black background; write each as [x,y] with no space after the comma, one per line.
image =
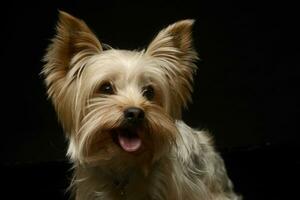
[246,90]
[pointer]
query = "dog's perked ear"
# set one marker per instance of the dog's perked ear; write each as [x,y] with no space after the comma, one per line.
[73,42]
[176,56]
[65,58]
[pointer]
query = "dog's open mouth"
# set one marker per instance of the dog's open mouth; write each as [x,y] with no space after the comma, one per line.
[128,139]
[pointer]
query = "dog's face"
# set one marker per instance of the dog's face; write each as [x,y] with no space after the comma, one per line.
[118,104]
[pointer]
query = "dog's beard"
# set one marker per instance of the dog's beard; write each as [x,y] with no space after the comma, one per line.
[104,138]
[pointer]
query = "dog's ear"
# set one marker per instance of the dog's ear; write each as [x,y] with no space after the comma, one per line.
[73,42]
[66,56]
[174,50]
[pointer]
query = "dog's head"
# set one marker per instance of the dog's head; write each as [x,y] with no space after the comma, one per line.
[119,104]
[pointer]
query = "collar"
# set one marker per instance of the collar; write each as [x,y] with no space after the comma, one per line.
[120,183]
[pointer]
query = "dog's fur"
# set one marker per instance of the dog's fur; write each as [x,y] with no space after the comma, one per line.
[91,87]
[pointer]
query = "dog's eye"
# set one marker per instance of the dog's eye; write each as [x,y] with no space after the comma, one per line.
[148,92]
[106,88]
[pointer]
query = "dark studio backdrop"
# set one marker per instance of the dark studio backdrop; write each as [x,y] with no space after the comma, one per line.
[246,88]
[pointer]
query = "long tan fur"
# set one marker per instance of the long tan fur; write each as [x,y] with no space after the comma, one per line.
[175,162]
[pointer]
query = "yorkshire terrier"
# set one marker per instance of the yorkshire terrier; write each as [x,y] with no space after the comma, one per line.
[121,112]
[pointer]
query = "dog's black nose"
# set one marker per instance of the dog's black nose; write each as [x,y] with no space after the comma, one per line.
[134,115]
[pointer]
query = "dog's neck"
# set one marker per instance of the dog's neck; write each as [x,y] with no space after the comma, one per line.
[123,184]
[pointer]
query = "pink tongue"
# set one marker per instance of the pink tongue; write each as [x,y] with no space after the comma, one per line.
[129,144]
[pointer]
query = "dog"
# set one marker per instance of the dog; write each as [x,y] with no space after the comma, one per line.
[121,112]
